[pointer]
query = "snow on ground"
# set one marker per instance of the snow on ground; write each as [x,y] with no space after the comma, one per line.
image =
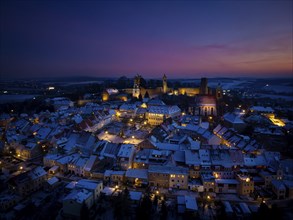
[15,98]
[263,95]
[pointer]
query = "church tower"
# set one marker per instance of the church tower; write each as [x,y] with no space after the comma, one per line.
[165,86]
[219,92]
[136,86]
[203,89]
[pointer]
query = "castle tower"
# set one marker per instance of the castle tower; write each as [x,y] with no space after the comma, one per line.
[136,86]
[219,92]
[203,89]
[165,86]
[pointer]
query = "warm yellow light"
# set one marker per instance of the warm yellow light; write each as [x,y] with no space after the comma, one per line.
[116,187]
[208,197]
[131,119]
[20,168]
[216,175]
[157,192]
[132,136]
[106,132]
[18,155]
[247,180]
[210,117]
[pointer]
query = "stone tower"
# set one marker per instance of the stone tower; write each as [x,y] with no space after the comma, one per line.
[136,86]
[203,89]
[165,86]
[219,92]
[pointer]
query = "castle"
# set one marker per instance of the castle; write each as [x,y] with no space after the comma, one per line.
[205,103]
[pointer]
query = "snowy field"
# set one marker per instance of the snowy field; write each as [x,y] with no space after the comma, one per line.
[15,98]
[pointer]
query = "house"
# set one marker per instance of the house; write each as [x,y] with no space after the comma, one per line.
[7,201]
[186,204]
[141,159]
[168,176]
[208,181]
[91,185]
[89,166]
[127,110]
[232,120]
[125,156]
[226,185]
[279,189]
[135,198]
[28,182]
[114,177]
[157,114]
[28,151]
[73,203]
[246,184]
[137,177]
[51,183]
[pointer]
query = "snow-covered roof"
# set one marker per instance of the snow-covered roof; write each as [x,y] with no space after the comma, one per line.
[190,203]
[53,180]
[126,150]
[79,196]
[137,173]
[233,118]
[166,110]
[262,109]
[167,146]
[88,184]
[90,163]
[37,173]
[192,158]
[136,196]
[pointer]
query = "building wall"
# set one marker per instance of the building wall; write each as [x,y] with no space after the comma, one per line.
[245,187]
[207,110]
[280,193]
[159,179]
[178,181]
[155,119]
[188,91]
[72,208]
[194,173]
[225,188]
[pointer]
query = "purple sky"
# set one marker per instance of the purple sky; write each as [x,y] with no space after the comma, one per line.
[182,39]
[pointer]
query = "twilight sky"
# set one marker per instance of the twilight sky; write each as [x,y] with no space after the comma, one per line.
[182,39]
